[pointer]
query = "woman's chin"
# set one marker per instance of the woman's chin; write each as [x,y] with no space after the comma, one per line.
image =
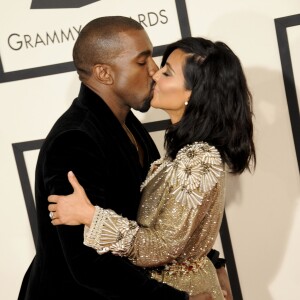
[153,104]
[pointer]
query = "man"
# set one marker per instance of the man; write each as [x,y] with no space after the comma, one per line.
[108,149]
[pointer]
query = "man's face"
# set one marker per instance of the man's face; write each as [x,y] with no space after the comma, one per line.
[133,70]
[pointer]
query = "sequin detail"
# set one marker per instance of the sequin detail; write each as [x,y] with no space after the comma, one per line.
[181,268]
[155,168]
[170,229]
[194,171]
[196,167]
[110,232]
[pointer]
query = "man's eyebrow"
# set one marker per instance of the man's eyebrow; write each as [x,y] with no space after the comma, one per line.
[144,53]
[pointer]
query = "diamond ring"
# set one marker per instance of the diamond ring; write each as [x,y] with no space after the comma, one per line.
[51,215]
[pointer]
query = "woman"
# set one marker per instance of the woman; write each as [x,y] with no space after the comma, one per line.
[202,87]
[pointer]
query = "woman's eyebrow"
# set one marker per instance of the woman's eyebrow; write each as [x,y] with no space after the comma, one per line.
[170,67]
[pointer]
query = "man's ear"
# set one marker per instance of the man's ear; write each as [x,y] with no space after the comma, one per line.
[103,73]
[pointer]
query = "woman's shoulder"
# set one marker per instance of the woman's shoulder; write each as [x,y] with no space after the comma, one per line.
[199,152]
[195,171]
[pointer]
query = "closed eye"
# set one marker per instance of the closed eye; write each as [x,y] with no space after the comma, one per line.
[165,71]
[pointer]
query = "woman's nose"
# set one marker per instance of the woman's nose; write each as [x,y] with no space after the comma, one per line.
[156,75]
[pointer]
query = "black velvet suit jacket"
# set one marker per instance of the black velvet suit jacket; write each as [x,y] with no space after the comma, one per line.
[90,141]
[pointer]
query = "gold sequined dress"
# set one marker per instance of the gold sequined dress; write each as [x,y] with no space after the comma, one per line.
[178,221]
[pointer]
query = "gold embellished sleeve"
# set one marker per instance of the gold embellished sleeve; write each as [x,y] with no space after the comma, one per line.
[110,232]
[189,180]
[190,189]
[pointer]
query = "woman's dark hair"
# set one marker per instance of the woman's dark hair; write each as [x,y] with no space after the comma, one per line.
[219,110]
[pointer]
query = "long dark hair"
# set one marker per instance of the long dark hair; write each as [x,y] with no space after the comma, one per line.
[219,110]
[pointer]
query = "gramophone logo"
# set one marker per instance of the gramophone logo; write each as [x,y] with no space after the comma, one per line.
[44,4]
[38,37]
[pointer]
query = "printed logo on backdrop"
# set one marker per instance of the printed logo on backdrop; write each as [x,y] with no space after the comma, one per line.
[43,47]
[50,44]
[40,4]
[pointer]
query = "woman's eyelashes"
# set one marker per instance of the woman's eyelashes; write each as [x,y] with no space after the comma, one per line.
[165,71]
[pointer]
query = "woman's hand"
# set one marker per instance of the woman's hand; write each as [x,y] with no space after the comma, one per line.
[74,209]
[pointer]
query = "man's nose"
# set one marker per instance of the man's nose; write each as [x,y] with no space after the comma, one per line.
[152,67]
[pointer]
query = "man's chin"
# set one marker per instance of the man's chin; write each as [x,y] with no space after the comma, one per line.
[145,106]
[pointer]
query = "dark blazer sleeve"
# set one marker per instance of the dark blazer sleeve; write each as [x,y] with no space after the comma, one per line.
[104,274]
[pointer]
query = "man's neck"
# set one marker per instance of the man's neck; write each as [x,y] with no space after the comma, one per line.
[120,111]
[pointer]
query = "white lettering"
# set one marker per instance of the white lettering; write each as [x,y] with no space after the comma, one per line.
[18,42]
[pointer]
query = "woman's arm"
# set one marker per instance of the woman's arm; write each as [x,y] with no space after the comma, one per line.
[157,245]
[107,231]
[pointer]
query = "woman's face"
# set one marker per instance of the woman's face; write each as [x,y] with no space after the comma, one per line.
[170,93]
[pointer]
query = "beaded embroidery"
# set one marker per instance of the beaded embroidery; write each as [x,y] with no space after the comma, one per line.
[193,172]
[110,232]
[159,164]
[181,268]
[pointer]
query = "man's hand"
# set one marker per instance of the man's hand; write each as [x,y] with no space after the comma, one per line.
[224,283]
[202,296]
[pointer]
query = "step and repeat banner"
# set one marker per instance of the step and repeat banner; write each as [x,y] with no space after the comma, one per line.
[259,231]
